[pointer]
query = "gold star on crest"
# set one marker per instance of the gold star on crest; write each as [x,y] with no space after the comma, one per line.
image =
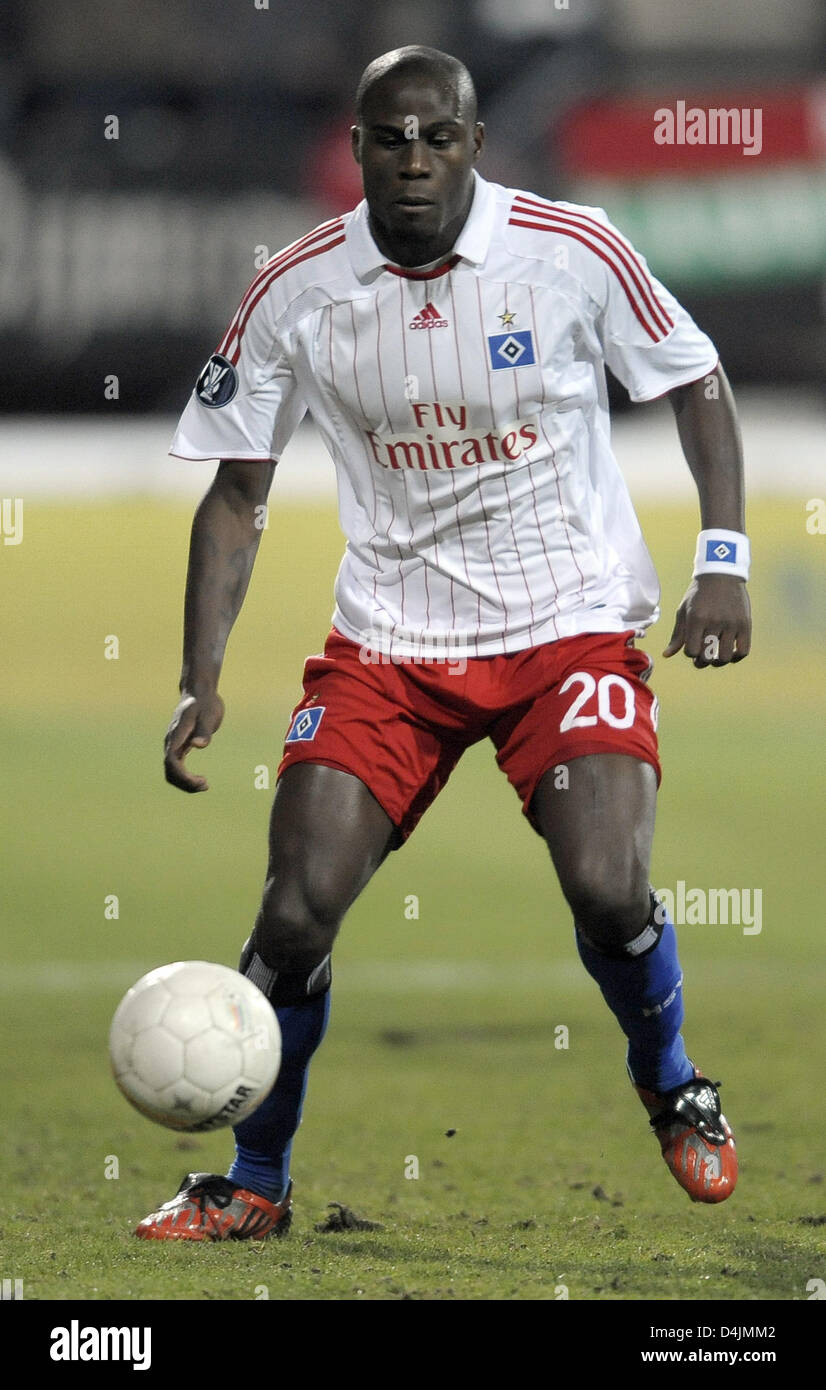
[506,319]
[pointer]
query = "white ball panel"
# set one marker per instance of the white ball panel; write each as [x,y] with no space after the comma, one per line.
[186,1017]
[142,1006]
[213,1060]
[157,1058]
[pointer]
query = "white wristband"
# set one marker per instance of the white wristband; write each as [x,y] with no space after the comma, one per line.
[722,552]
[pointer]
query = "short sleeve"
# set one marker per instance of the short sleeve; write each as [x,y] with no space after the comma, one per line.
[649,340]
[246,403]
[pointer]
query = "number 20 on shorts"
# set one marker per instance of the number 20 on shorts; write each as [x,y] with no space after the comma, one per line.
[575,719]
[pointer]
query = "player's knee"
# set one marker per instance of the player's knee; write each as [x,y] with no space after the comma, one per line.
[610,908]
[297,923]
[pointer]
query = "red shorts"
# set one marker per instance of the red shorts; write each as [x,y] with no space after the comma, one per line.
[401,726]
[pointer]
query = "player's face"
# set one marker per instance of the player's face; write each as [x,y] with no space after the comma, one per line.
[417,153]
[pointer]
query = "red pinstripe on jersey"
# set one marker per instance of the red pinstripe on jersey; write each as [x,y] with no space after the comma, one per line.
[427,480]
[400,322]
[387,412]
[285,259]
[357,385]
[552,452]
[458,516]
[540,531]
[587,230]
[485,519]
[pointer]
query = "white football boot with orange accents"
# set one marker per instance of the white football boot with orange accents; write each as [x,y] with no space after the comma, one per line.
[209,1207]
[696,1141]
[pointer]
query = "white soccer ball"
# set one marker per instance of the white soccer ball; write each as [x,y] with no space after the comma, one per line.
[195,1046]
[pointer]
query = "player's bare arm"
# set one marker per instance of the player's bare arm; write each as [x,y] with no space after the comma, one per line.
[226,532]
[715,605]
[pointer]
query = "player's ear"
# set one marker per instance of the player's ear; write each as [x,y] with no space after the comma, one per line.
[478,140]
[355,142]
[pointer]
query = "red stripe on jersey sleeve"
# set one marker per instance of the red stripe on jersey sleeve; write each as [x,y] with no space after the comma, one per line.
[568,231]
[624,251]
[662,320]
[276,275]
[318,233]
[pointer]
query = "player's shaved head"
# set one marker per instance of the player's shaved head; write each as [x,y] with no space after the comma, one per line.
[417,61]
[417,140]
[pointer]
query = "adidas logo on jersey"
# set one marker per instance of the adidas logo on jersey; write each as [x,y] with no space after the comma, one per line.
[428,318]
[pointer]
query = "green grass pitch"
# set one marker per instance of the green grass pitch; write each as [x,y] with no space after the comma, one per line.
[537,1176]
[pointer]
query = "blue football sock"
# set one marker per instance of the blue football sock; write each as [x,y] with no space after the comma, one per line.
[263,1143]
[645,995]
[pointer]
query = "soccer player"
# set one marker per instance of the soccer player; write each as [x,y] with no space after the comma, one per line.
[448,337]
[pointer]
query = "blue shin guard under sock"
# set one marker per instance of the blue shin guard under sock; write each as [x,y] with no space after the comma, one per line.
[264,1141]
[645,995]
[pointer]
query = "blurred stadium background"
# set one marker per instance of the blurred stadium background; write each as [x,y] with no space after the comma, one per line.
[152,156]
[121,260]
[125,255]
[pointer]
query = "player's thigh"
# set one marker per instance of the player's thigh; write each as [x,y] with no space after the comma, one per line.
[328,835]
[598,823]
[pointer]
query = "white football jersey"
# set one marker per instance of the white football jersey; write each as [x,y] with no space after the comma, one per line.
[466,410]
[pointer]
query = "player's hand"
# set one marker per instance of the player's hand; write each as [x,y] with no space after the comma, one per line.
[195,720]
[713,622]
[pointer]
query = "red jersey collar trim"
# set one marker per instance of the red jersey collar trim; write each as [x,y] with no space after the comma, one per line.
[423,274]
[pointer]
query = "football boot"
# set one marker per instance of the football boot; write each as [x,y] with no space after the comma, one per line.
[696,1141]
[209,1207]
